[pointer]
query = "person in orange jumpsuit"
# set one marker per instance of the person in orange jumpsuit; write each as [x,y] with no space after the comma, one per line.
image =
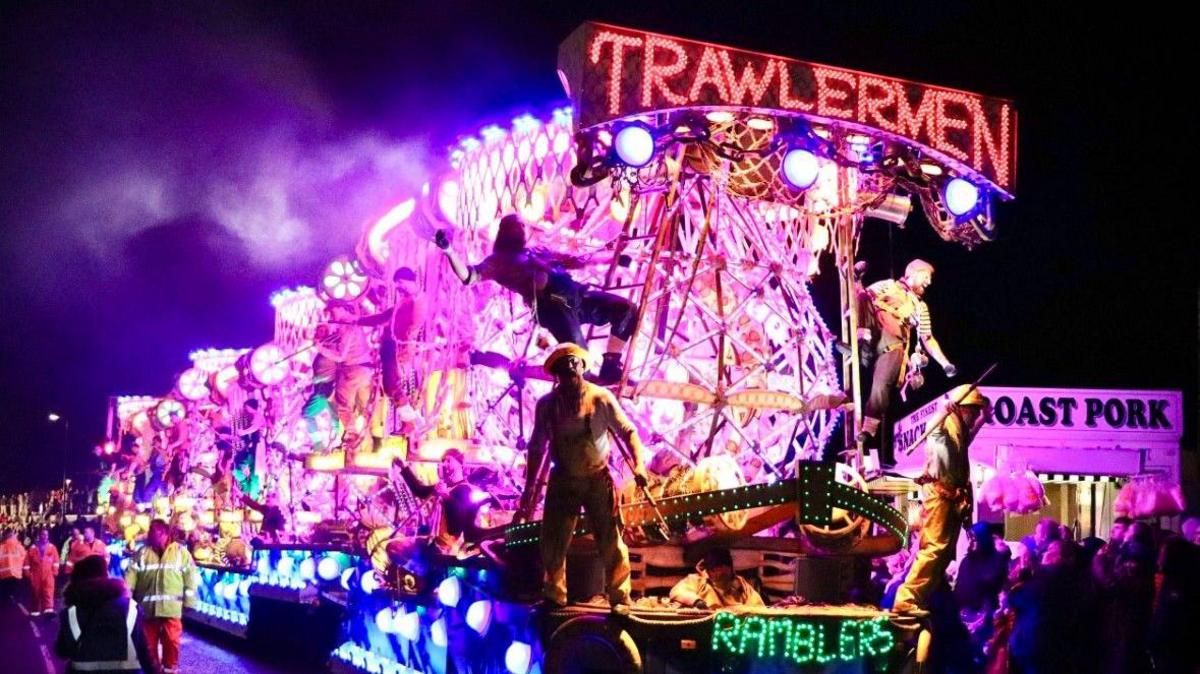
[12,565]
[42,566]
[86,546]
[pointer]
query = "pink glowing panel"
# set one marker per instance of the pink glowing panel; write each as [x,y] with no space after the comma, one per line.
[297,314]
[268,364]
[447,200]
[141,422]
[128,406]
[193,384]
[377,242]
[212,361]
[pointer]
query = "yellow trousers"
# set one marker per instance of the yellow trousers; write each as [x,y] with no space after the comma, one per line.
[942,517]
[596,494]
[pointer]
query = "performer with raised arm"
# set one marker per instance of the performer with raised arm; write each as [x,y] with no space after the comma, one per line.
[399,350]
[946,494]
[573,422]
[561,304]
[890,311]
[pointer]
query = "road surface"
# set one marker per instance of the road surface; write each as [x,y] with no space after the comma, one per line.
[27,647]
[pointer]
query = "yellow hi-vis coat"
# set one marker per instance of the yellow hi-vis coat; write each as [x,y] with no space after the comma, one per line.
[163,585]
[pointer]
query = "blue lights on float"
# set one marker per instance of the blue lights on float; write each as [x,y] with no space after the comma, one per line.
[222,598]
[329,568]
[224,593]
[299,569]
[452,624]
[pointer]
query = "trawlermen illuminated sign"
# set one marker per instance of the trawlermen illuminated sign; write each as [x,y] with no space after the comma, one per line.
[611,72]
[1054,412]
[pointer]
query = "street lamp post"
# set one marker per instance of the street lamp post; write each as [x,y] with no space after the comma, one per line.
[54,418]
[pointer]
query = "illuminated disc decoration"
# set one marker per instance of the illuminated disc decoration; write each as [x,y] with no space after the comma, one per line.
[225,379]
[193,384]
[343,280]
[449,591]
[447,200]
[169,412]
[267,364]
[385,619]
[379,245]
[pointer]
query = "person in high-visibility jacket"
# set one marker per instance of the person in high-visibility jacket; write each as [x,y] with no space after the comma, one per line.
[163,579]
[41,564]
[12,565]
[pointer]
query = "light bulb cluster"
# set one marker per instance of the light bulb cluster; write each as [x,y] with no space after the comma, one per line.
[397,627]
[231,616]
[297,569]
[351,654]
[817,491]
[963,127]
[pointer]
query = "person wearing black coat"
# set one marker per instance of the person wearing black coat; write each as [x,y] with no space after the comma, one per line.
[100,631]
[981,575]
[1176,606]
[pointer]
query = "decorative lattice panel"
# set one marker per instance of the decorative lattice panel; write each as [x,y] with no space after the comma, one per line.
[763,336]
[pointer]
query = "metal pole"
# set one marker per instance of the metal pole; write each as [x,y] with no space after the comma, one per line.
[66,444]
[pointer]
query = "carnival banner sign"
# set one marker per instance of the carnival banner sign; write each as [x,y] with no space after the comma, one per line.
[611,72]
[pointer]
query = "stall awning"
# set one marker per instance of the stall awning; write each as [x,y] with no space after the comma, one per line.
[1076,478]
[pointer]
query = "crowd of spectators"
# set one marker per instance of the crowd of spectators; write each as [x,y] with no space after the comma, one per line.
[1052,603]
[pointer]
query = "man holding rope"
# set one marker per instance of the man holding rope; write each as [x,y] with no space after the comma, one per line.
[890,312]
[946,494]
[561,304]
[574,422]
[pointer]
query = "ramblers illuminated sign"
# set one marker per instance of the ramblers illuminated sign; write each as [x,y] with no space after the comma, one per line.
[612,72]
[802,640]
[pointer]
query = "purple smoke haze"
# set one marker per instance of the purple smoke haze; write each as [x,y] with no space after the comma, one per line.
[165,166]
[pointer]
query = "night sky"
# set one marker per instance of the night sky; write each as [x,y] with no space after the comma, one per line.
[166,166]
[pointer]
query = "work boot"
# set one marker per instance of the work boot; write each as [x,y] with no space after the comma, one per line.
[909,611]
[610,370]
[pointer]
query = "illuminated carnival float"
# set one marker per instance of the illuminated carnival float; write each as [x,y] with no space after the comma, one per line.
[706,185]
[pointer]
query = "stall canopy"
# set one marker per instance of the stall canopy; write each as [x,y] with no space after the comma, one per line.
[1070,432]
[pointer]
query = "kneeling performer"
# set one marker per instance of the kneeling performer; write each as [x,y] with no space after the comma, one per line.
[574,421]
[715,584]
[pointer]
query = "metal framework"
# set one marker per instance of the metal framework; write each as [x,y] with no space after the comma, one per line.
[729,348]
